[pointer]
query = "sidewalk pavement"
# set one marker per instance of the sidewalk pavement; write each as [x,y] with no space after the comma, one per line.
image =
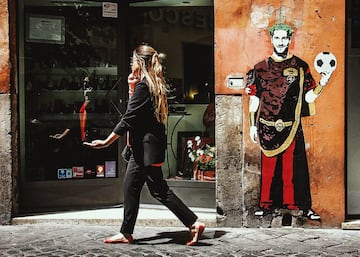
[82,234]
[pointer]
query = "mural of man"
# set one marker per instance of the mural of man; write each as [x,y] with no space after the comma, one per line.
[282,90]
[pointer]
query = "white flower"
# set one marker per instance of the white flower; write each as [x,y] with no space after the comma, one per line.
[198,140]
[191,156]
[189,144]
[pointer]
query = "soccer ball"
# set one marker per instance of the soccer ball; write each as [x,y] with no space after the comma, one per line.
[325,63]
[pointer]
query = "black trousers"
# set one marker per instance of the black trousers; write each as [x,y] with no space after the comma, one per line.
[135,178]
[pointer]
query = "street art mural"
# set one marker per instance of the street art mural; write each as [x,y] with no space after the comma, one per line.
[282,90]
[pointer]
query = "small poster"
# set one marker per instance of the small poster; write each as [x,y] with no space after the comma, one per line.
[110,169]
[110,10]
[78,171]
[64,173]
[100,171]
[89,173]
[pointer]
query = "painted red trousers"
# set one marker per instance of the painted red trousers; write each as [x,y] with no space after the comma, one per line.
[268,167]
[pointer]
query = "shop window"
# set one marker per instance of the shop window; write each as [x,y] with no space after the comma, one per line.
[70,75]
[67,42]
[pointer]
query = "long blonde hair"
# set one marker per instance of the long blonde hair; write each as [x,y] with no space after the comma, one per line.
[149,61]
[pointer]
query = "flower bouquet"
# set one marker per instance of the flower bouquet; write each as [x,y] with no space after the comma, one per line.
[203,157]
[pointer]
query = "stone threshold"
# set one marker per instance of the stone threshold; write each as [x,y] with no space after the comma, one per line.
[351,224]
[149,215]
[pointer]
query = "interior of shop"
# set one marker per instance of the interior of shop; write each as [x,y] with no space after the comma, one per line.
[185,34]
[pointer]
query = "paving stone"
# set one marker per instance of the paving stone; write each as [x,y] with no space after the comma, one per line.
[87,241]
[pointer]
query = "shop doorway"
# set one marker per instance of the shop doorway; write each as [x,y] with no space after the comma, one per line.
[184,31]
[353,109]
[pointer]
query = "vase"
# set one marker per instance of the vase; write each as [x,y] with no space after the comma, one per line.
[204,175]
[208,175]
[197,174]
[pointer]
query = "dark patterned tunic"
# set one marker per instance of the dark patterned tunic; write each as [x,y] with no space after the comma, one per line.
[281,88]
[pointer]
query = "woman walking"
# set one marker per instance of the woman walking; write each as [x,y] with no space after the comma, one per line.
[144,121]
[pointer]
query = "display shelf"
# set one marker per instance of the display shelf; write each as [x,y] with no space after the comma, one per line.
[72,92]
[75,116]
[102,70]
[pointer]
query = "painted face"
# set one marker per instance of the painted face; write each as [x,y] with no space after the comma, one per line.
[280,41]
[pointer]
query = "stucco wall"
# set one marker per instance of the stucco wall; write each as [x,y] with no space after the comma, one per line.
[241,41]
[5,157]
[5,114]
[229,166]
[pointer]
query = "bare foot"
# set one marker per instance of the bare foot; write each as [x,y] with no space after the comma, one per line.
[196,231]
[119,239]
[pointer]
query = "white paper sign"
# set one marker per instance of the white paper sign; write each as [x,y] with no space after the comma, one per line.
[110,10]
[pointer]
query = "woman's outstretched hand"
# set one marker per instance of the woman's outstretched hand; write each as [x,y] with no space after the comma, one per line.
[98,144]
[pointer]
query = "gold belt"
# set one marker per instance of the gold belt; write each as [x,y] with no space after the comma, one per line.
[279,124]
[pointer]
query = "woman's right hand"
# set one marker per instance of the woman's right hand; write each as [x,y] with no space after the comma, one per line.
[133,78]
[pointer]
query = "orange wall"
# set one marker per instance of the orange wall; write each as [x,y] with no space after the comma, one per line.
[4,46]
[242,40]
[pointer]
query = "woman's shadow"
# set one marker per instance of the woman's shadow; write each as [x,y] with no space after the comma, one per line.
[178,237]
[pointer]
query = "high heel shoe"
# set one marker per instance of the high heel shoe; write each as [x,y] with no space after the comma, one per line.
[119,239]
[198,228]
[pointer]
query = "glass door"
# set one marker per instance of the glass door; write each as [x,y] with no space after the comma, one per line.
[184,31]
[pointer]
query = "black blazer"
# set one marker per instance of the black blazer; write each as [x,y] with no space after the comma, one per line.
[147,135]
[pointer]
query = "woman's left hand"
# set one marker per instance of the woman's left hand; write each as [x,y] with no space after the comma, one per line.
[95,144]
[98,144]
